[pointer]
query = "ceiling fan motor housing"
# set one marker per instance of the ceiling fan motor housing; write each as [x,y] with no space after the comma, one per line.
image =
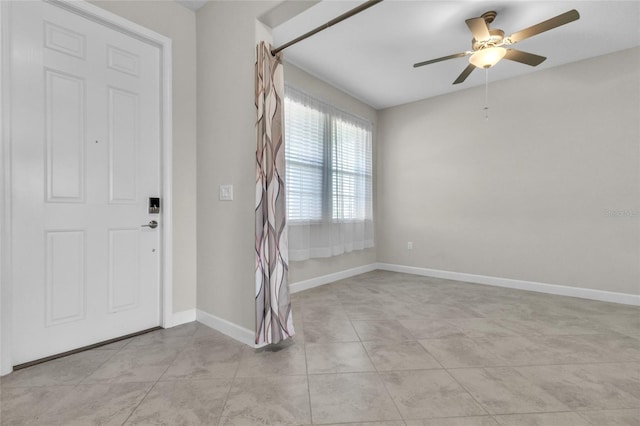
[495,39]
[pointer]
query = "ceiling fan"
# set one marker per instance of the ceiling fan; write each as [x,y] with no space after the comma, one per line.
[489,45]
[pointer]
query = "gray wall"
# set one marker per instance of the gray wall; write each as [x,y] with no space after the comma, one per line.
[312,268]
[175,21]
[526,194]
[226,155]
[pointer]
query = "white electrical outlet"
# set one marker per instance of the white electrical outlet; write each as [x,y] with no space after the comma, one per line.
[410,245]
[226,193]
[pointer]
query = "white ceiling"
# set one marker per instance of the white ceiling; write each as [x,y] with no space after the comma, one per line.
[371,55]
[192,4]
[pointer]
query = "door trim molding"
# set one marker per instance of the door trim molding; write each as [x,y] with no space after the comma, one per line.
[5,191]
[121,24]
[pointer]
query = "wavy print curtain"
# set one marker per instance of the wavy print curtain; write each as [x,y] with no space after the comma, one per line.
[274,322]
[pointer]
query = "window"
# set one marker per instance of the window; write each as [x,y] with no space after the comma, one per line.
[304,157]
[351,171]
[328,178]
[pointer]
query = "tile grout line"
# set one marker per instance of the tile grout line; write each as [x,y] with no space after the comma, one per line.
[116,352]
[154,383]
[395,404]
[140,402]
[471,395]
[232,382]
[306,369]
[569,409]
[75,385]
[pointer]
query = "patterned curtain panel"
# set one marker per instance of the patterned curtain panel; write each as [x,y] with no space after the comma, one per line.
[274,322]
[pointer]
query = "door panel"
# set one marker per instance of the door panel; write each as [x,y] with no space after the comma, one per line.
[85,152]
[123,61]
[124,261]
[123,141]
[64,40]
[65,123]
[65,277]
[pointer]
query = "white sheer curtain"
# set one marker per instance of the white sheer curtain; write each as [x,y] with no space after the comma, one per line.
[329,178]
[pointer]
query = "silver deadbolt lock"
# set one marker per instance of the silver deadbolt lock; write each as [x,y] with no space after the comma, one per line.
[153,225]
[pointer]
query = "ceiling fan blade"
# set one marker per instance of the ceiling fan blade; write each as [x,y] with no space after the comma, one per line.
[524,57]
[444,58]
[547,25]
[462,77]
[478,28]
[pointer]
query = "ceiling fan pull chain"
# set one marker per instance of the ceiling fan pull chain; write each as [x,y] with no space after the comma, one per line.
[486,94]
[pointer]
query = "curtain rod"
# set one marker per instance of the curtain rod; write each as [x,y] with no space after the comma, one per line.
[332,22]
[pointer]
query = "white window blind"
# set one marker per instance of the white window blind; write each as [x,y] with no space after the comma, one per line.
[304,157]
[328,157]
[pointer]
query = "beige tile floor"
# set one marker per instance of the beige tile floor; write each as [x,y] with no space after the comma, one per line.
[381,349]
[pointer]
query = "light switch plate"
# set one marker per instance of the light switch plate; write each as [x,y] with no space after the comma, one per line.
[226,193]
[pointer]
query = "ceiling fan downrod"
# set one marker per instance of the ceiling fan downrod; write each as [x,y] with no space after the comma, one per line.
[486,94]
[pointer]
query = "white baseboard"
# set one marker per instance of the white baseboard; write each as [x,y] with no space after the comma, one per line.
[326,279]
[182,317]
[562,290]
[228,328]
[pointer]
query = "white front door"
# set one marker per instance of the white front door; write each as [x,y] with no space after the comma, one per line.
[85,156]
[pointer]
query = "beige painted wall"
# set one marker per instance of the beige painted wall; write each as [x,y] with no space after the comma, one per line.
[226,155]
[526,194]
[172,20]
[312,268]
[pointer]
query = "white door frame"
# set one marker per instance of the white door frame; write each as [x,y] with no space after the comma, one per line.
[118,23]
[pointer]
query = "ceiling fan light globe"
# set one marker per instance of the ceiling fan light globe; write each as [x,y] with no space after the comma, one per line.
[487,57]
